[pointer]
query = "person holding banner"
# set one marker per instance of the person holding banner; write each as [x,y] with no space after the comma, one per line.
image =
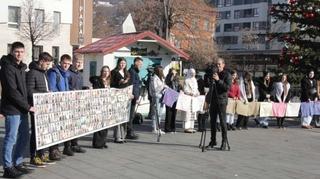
[156,87]
[120,78]
[247,94]
[103,81]
[191,89]
[308,94]
[75,83]
[15,108]
[281,95]
[265,88]
[37,82]
[172,80]
[233,94]
[59,81]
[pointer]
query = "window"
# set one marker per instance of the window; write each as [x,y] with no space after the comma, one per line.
[237,14]
[227,27]
[237,27]
[246,13]
[218,28]
[224,14]
[227,3]
[14,14]
[246,26]
[259,25]
[56,20]
[55,54]
[227,40]
[93,68]
[37,49]
[255,12]
[39,16]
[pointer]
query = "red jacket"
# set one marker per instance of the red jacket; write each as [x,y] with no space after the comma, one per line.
[234,91]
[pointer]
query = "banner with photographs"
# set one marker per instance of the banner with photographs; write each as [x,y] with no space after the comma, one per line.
[62,116]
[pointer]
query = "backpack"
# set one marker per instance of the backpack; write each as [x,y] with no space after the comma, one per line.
[138,118]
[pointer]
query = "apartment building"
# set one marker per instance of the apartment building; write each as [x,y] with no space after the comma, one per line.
[241,34]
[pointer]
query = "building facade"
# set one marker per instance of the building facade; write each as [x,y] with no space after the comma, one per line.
[242,34]
[81,28]
[57,13]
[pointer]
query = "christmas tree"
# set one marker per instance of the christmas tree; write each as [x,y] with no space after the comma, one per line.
[301,49]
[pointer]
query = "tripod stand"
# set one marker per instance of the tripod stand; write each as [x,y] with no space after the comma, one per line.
[204,130]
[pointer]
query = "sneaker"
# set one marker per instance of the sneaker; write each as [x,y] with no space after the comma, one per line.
[161,132]
[46,160]
[22,169]
[11,172]
[37,162]
[54,155]
[78,149]
[67,151]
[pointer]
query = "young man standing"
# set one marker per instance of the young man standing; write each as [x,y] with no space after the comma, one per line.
[59,81]
[15,108]
[136,82]
[37,83]
[75,83]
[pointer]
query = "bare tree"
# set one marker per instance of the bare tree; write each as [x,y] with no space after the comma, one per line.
[35,24]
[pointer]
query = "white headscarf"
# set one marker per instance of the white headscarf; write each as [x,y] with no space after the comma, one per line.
[191,85]
[190,73]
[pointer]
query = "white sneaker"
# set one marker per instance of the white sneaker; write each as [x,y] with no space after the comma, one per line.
[162,133]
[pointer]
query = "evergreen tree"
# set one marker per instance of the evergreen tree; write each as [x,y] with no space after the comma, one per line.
[302,44]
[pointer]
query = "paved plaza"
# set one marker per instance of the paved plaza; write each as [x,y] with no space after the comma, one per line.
[255,153]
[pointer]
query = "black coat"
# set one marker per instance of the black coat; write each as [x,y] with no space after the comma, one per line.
[96,82]
[75,79]
[116,78]
[308,89]
[263,89]
[36,81]
[14,97]
[218,92]
[136,82]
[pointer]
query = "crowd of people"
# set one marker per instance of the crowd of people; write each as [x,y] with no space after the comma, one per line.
[218,86]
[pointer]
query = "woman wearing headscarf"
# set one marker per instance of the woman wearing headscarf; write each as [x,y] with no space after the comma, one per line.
[120,78]
[102,81]
[308,94]
[190,88]
[247,94]
[156,87]
[282,94]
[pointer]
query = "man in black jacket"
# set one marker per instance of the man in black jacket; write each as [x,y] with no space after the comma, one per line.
[37,83]
[75,83]
[136,82]
[15,108]
[217,98]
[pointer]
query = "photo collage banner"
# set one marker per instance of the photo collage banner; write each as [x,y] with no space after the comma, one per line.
[62,116]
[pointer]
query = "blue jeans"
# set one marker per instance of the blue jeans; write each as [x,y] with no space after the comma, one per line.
[17,133]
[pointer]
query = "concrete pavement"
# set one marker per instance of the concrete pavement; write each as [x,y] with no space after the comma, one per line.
[255,153]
